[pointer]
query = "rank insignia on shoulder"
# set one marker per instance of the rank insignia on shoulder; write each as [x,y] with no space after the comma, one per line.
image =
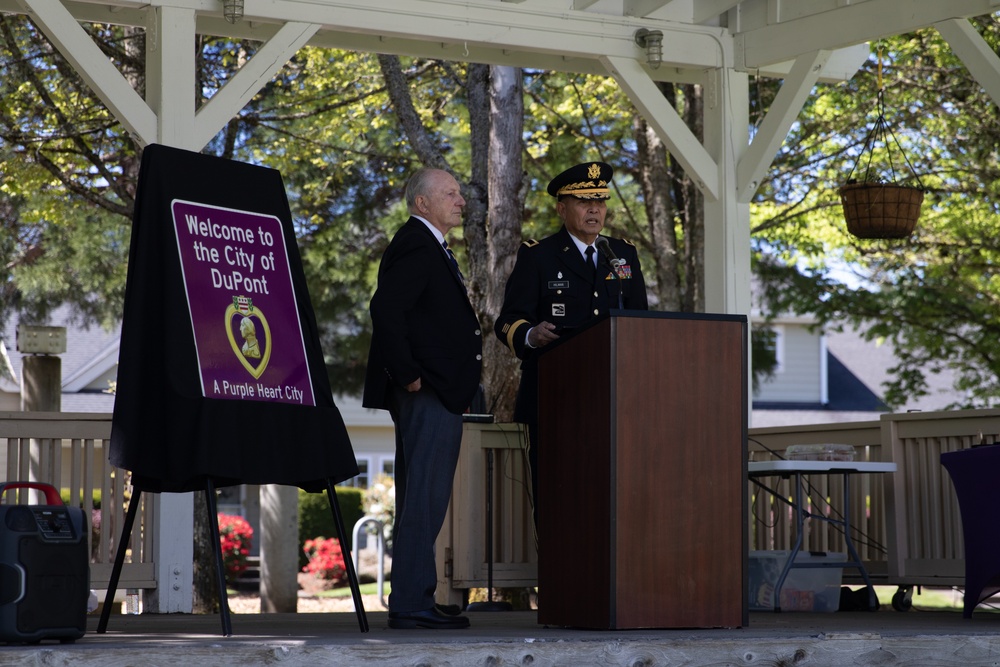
[529,243]
[629,242]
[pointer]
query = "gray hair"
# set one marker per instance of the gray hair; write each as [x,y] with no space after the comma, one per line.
[417,185]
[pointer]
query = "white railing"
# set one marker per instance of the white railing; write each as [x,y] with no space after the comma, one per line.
[69,451]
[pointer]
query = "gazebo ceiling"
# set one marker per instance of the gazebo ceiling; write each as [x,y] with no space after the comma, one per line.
[716,43]
[763,36]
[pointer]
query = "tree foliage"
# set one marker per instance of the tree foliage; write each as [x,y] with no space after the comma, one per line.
[934,296]
[67,179]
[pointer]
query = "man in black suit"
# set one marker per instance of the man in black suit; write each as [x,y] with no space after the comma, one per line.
[564,282]
[424,368]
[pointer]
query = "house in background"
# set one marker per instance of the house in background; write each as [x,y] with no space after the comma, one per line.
[829,377]
[89,366]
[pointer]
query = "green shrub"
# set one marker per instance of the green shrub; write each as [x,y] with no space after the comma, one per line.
[316,518]
[64,494]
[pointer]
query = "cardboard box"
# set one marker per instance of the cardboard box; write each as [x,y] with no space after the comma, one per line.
[805,589]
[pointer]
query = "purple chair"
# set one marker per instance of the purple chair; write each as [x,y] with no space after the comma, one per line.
[973,472]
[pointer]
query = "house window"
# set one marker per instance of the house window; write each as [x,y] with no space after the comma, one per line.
[360,481]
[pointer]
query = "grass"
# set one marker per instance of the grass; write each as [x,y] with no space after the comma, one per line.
[927,598]
[366,589]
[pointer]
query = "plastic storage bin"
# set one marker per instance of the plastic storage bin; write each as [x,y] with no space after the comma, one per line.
[805,589]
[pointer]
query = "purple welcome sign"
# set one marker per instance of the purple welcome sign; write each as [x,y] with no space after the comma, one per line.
[243,309]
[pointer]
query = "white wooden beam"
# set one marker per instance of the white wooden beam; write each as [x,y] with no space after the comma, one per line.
[170,75]
[708,9]
[845,25]
[643,7]
[669,126]
[973,50]
[795,90]
[239,90]
[94,67]
[524,27]
[727,220]
[842,65]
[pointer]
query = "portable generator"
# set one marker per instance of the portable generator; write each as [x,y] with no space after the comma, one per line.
[44,568]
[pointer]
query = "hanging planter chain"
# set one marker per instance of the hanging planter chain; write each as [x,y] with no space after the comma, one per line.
[873,208]
[878,132]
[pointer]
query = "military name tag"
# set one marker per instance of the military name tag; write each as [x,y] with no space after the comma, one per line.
[558,284]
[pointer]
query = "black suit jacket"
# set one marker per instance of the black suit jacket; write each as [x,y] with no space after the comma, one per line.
[423,325]
[552,282]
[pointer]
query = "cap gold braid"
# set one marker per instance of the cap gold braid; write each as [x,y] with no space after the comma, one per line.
[584,188]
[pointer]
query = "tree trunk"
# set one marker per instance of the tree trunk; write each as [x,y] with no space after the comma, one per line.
[694,221]
[507,193]
[675,211]
[654,178]
[206,591]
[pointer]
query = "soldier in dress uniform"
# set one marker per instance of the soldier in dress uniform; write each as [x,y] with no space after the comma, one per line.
[563,282]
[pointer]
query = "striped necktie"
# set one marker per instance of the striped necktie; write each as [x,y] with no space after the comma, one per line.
[454,262]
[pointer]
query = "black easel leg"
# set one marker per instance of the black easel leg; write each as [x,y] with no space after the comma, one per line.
[220,573]
[116,570]
[352,576]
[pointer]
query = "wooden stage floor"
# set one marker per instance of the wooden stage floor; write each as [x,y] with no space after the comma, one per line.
[885,638]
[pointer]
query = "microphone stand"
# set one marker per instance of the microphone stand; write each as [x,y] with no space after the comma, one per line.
[613,263]
[618,278]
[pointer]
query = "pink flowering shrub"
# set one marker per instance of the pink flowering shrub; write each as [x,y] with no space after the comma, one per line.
[235,535]
[325,559]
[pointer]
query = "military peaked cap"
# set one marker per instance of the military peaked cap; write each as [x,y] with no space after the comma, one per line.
[590,180]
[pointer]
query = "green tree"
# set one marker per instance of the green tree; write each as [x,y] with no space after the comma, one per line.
[934,295]
[68,179]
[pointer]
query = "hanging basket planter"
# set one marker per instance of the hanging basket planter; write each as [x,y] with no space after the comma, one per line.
[881,210]
[876,208]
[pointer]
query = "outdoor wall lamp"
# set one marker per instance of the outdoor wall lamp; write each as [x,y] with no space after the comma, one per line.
[652,41]
[232,10]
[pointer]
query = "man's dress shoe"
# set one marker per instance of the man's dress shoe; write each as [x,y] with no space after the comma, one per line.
[428,618]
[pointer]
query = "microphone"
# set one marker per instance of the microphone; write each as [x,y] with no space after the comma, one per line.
[609,254]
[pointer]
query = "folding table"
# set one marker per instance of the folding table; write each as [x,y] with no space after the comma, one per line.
[796,469]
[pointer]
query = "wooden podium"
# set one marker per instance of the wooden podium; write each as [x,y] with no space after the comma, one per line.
[642,474]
